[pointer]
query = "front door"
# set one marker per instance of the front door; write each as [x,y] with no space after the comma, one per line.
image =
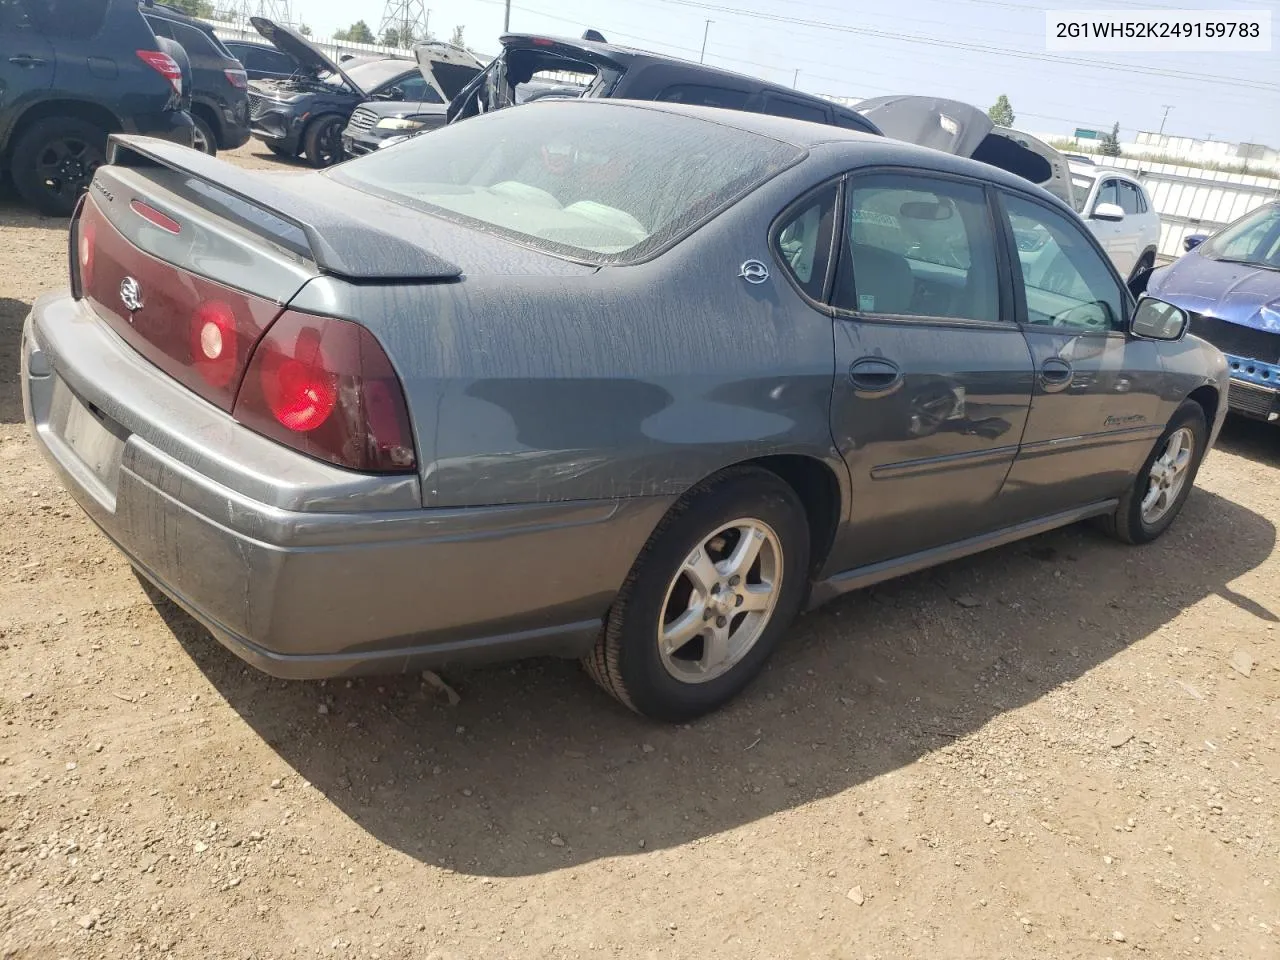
[1095,411]
[933,378]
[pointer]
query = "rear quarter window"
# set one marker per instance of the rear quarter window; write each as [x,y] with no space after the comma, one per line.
[705,96]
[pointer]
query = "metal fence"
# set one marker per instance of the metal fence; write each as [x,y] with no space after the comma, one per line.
[1193,200]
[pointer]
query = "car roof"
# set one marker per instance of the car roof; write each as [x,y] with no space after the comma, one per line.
[1099,171]
[807,135]
[632,56]
[172,13]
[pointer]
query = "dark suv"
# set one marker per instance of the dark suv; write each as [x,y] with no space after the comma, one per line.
[219,85]
[306,113]
[71,72]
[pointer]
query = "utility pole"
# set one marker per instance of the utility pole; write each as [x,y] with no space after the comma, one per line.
[1167,108]
[705,30]
[506,18]
[795,77]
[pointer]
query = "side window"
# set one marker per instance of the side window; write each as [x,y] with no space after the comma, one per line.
[417,89]
[803,243]
[914,246]
[1066,281]
[851,123]
[1128,198]
[74,19]
[1143,205]
[705,96]
[797,109]
[195,42]
[160,27]
[1109,192]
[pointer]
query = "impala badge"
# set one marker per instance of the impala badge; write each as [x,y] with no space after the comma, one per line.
[753,271]
[131,294]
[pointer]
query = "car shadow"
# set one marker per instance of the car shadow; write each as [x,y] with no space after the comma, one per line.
[536,770]
[12,315]
[1251,438]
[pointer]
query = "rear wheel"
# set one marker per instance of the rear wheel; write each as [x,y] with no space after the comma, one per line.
[323,142]
[1163,484]
[54,160]
[202,137]
[708,599]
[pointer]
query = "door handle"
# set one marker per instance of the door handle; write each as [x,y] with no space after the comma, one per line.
[25,60]
[874,377]
[1055,374]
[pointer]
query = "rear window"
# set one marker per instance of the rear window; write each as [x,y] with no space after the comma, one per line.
[594,180]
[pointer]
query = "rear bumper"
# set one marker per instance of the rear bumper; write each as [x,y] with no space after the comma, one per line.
[174,125]
[302,569]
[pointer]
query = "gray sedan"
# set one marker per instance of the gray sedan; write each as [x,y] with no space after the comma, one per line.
[634,383]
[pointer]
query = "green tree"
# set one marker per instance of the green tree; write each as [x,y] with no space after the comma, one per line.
[397,37]
[1001,112]
[358,32]
[456,39]
[194,8]
[304,30]
[1109,145]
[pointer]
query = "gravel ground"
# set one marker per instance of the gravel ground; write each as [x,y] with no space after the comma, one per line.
[1063,748]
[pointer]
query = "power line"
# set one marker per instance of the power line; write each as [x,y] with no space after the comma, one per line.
[979,48]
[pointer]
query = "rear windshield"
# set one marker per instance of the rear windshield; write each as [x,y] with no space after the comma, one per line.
[594,180]
[374,73]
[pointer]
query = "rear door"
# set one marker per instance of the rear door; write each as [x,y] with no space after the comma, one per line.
[1096,408]
[933,378]
[26,63]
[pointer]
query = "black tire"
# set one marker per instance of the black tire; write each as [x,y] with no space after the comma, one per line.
[1127,523]
[53,161]
[626,661]
[322,145]
[204,139]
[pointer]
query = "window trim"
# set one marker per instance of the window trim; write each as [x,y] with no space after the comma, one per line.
[822,305]
[771,96]
[1019,283]
[1004,275]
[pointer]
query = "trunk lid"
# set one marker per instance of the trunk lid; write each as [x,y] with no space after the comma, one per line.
[448,69]
[190,260]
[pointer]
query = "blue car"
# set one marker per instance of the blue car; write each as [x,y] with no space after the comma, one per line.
[1229,283]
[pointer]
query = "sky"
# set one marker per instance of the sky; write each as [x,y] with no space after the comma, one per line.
[861,48]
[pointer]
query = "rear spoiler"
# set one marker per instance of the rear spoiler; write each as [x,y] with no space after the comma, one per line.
[340,243]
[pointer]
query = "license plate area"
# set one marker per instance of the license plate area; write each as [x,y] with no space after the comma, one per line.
[95,440]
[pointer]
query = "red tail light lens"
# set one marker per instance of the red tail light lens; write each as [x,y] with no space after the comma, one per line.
[87,236]
[164,65]
[213,342]
[326,388]
[237,78]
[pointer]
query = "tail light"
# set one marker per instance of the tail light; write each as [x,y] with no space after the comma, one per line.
[86,237]
[164,65]
[326,388]
[237,78]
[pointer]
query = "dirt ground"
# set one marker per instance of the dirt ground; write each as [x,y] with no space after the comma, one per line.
[1063,748]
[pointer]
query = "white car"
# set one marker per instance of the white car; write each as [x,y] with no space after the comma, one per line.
[1120,214]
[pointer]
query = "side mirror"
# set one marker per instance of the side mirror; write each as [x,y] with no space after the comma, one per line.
[1156,320]
[1108,211]
[1193,240]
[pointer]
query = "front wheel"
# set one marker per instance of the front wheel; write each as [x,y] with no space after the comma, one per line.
[323,142]
[1162,486]
[708,599]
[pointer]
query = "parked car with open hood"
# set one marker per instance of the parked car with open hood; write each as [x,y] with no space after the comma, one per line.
[1230,285]
[1118,210]
[70,74]
[305,114]
[628,381]
[219,84]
